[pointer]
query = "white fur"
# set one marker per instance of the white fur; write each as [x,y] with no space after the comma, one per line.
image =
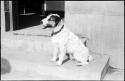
[66,41]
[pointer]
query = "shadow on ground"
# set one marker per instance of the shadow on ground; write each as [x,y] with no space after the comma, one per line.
[5,66]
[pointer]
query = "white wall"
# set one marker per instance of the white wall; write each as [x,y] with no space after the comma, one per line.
[103,23]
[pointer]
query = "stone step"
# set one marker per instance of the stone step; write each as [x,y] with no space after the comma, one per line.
[29,56]
[26,42]
[30,65]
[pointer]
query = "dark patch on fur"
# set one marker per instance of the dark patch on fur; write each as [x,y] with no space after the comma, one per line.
[56,19]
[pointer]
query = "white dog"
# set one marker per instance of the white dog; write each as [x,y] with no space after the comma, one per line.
[65,42]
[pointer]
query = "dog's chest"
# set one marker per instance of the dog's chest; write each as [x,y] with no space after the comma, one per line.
[61,37]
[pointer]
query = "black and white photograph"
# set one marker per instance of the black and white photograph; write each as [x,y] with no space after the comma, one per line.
[62,40]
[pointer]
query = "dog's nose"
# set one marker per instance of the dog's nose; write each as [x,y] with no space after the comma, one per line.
[41,22]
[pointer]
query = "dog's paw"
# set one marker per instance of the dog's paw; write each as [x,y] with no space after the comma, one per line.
[58,63]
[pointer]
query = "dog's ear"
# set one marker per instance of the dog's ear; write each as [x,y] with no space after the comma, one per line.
[57,20]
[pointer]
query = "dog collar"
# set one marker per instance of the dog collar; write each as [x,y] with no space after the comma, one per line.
[54,33]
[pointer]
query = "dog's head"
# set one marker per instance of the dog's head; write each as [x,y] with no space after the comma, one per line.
[50,21]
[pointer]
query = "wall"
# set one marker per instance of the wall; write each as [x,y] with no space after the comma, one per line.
[54,5]
[103,23]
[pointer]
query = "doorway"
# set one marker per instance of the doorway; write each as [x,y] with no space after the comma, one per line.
[25,14]
[30,13]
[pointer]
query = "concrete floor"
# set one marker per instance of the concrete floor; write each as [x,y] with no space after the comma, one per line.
[27,65]
[111,74]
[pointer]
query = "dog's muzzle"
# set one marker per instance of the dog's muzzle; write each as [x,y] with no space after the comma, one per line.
[43,26]
[41,22]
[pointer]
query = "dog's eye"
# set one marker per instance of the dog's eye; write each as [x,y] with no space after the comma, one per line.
[50,19]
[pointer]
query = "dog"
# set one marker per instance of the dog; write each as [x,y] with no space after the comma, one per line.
[65,41]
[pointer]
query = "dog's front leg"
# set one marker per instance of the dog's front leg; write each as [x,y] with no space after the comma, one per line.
[61,55]
[55,53]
